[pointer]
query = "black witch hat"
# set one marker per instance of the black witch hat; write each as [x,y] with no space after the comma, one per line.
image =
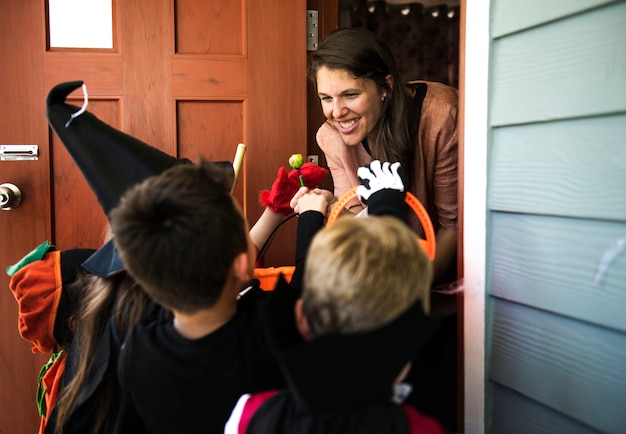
[111,161]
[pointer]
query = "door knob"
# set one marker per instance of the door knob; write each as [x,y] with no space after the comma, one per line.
[10,196]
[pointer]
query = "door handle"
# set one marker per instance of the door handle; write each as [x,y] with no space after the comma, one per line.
[10,196]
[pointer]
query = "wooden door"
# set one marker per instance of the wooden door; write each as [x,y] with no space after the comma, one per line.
[190,77]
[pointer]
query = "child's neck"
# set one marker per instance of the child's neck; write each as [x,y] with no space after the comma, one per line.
[203,322]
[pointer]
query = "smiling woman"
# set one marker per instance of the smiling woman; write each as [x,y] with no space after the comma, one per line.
[371,114]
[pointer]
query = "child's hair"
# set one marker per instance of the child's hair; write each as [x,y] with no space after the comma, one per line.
[361,273]
[178,234]
[117,297]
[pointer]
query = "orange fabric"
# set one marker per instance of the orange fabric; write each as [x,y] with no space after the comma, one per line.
[52,381]
[37,290]
[268,276]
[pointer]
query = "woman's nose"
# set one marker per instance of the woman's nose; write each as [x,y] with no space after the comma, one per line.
[338,109]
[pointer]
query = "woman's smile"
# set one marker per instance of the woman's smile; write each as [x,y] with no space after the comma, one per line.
[346,127]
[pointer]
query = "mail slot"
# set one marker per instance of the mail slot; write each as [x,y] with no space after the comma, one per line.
[19,152]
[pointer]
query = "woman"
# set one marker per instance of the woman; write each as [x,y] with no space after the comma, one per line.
[370,115]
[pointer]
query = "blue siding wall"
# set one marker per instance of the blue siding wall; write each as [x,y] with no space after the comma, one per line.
[556,253]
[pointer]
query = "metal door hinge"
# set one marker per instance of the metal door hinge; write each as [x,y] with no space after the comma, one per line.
[312,33]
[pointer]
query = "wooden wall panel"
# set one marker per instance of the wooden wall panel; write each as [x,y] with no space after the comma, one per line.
[571,68]
[215,76]
[148,43]
[508,16]
[211,130]
[573,168]
[564,364]
[103,77]
[555,264]
[214,34]
[514,413]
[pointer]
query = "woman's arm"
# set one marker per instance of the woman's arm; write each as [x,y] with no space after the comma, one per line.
[343,162]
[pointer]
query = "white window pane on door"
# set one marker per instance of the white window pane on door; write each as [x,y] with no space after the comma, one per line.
[80,23]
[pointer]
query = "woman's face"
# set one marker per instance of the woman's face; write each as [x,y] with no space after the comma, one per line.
[351,105]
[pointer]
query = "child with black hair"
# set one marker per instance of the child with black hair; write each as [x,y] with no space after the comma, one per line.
[183,238]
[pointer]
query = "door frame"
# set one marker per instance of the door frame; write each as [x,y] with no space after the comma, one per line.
[473,140]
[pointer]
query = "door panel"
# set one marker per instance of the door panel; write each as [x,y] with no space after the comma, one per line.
[190,77]
[215,33]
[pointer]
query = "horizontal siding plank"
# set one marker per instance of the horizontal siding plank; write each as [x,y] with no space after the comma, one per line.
[570,68]
[512,413]
[573,267]
[508,16]
[570,168]
[572,367]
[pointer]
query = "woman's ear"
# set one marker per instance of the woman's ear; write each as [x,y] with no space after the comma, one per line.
[302,323]
[389,81]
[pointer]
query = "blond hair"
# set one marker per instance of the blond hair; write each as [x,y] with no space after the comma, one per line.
[362,273]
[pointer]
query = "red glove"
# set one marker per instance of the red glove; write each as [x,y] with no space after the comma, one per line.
[287,185]
[312,175]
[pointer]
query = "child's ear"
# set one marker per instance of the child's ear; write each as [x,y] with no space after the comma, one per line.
[302,323]
[241,267]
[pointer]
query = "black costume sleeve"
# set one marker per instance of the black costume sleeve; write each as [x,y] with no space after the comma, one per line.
[388,202]
[309,223]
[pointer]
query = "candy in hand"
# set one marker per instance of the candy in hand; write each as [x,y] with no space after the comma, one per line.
[296,161]
[312,175]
